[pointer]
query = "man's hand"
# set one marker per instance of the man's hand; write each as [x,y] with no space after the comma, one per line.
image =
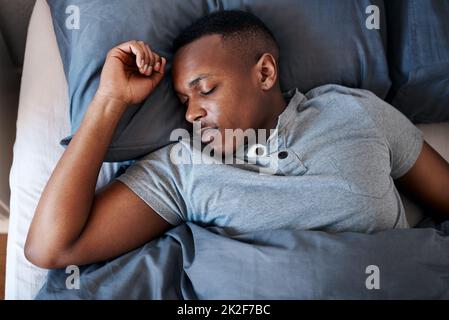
[131,72]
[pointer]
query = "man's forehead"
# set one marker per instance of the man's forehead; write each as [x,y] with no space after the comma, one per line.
[201,60]
[209,45]
[207,52]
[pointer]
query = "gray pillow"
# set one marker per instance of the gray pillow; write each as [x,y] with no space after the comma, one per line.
[321,42]
[103,25]
[419,58]
[325,41]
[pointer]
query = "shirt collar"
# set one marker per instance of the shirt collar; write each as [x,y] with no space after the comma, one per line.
[294,98]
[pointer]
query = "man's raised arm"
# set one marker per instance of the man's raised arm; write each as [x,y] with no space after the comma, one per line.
[71,225]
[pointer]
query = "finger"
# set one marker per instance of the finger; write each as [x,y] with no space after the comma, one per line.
[126,46]
[151,54]
[131,47]
[138,52]
[157,62]
[158,75]
[146,62]
[150,83]
[151,65]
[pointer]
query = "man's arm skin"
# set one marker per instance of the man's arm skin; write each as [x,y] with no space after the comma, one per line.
[428,181]
[71,224]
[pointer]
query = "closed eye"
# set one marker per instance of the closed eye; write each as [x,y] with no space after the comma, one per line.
[208,92]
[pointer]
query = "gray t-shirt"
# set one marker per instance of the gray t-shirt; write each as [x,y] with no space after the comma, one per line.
[338,151]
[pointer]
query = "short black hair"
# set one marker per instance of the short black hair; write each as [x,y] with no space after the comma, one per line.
[247,33]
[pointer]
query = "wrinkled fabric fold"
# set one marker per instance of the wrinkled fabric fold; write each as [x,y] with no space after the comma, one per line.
[192,262]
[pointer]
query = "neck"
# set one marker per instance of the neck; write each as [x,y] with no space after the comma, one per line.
[275,106]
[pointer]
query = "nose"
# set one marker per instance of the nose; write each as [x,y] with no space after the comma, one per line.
[195,113]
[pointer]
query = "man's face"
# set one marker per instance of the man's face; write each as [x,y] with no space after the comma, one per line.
[218,89]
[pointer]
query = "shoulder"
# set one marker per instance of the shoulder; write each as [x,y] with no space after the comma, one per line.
[335,90]
[169,153]
[359,102]
[335,100]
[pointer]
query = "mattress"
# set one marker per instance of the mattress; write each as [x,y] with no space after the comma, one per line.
[43,120]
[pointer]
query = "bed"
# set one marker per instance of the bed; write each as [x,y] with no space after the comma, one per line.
[43,121]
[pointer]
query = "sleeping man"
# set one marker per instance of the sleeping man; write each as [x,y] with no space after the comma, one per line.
[339,153]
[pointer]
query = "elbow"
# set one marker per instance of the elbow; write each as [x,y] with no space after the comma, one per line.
[41,249]
[41,257]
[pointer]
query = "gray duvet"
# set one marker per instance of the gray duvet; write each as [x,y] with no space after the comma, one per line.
[193,262]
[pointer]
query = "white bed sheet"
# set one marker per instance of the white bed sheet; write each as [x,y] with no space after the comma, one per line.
[43,121]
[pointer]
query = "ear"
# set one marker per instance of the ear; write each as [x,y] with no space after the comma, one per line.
[266,69]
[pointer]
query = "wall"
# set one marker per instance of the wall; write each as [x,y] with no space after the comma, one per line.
[9,92]
[14,18]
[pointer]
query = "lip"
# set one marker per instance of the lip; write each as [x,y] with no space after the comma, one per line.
[208,134]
